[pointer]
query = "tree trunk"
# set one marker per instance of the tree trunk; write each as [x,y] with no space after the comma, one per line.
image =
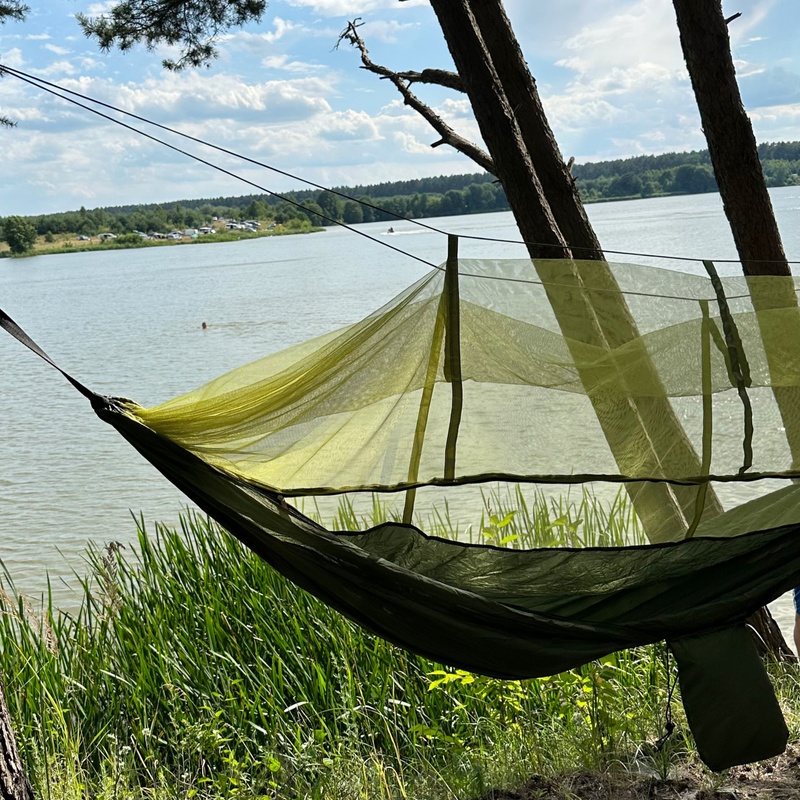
[14,783]
[768,637]
[737,168]
[551,218]
[657,419]
[519,86]
[731,143]
[643,433]
[500,130]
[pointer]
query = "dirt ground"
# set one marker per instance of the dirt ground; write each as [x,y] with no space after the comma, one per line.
[776,779]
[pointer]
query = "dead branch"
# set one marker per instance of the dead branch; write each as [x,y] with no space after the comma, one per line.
[447,134]
[439,77]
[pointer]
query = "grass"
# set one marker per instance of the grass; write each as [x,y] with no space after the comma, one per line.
[191,669]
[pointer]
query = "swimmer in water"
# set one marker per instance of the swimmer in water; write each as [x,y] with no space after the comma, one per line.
[204,326]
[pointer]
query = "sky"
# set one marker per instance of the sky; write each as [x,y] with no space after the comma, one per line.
[610,73]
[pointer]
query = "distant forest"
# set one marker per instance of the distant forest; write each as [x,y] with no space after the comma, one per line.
[640,176]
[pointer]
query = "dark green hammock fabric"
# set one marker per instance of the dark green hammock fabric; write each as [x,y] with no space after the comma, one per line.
[410,396]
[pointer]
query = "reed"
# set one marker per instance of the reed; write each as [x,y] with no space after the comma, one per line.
[192,669]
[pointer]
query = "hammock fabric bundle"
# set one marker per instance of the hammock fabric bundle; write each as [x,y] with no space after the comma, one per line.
[526,373]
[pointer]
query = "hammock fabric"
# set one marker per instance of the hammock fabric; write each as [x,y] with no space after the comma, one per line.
[492,371]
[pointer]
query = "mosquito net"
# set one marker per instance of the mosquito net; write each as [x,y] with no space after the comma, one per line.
[500,370]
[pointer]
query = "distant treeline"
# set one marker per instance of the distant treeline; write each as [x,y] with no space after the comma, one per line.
[640,176]
[677,173]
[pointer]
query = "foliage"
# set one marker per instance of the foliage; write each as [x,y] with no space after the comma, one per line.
[129,239]
[677,173]
[12,9]
[19,233]
[195,26]
[191,667]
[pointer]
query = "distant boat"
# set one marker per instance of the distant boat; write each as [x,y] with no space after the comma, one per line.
[391,230]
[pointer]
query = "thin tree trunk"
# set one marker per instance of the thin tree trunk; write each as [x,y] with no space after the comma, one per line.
[14,783]
[731,142]
[740,178]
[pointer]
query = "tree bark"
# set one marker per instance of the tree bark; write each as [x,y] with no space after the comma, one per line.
[587,303]
[14,784]
[740,178]
[519,86]
[500,130]
[655,415]
[731,142]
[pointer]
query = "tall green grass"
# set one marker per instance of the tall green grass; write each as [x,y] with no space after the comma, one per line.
[192,669]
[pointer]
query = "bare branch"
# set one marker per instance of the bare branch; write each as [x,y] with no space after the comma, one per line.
[447,134]
[440,77]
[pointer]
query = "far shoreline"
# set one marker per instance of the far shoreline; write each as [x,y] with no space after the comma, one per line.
[69,244]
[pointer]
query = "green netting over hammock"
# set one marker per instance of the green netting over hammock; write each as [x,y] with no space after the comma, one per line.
[549,372]
[370,407]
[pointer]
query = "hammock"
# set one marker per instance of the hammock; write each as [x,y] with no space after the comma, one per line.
[508,371]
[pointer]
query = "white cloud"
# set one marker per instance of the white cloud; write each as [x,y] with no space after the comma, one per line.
[262,45]
[350,126]
[59,51]
[13,58]
[57,68]
[283,63]
[97,9]
[195,96]
[387,31]
[281,28]
[454,108]
[35,37]
[626,84]
[643,33]
[775,113]
[744,68]
[567,115]
[88,63]
[408,143]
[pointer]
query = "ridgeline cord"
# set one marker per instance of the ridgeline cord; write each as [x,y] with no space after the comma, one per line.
[33,82]
[62,92]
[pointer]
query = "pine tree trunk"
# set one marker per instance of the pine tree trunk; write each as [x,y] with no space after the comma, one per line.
[14,783]
[740,178]
[731,142]
[655,415]
[543,198]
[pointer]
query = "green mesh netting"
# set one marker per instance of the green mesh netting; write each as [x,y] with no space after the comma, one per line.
[549,388]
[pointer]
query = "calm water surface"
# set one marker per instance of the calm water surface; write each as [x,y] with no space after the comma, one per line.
[128,323]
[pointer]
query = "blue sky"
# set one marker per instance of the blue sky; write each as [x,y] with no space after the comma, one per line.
[610,73]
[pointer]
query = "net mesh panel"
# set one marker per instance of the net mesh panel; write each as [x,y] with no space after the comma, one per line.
[704,391]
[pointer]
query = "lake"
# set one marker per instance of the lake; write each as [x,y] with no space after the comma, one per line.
[128,323]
